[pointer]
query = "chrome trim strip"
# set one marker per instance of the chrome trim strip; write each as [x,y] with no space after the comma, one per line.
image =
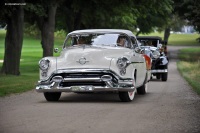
[80,79]
[159,71]
[137,62]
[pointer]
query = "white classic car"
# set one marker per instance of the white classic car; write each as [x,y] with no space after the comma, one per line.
[97,60]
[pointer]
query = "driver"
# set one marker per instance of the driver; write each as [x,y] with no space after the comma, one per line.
[80,41]
[121,41]
[150,43]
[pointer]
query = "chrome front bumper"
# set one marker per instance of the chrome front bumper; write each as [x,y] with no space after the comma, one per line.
[55,86]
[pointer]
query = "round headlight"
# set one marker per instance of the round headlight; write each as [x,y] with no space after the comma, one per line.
[44,64]
[156,54]
[122,63]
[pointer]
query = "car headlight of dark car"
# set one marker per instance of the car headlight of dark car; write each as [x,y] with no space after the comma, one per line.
[156,54]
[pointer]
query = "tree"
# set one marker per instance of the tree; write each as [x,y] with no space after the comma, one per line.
[153,14]
[189,10]
[87,14]
[43,12]
[175,23]
[13,16]
[118,14]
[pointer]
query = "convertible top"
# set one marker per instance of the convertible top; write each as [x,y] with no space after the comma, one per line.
[128,32]
[149,38]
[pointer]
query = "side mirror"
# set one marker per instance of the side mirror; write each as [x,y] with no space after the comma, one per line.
[159,46]
[56,50]
[137,50]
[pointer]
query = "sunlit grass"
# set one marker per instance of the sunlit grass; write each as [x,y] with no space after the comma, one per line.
[31,54]
[189,54]
[189,66]
[179,39]
[184,39]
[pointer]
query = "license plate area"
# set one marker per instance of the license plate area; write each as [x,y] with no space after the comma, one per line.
[82,88]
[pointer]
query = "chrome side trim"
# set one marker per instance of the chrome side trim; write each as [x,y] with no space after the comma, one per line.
[159,71]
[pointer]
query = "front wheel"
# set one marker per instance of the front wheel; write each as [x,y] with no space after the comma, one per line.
[52,96]
[158,76]
[164,76]
[127,96]
[142,90]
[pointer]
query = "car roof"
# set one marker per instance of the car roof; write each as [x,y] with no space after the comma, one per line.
[128,32]
[149,37]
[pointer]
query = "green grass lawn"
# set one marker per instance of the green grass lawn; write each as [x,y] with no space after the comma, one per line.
[32,53]
[179,39]
[189,66]
[183,39]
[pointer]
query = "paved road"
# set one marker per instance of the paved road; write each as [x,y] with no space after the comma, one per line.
[169,107]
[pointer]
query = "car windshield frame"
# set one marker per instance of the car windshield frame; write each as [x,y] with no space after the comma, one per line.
[96,39]
[144,42]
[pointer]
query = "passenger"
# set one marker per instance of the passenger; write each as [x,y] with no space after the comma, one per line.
[80,41]
[121,41]
[150,43]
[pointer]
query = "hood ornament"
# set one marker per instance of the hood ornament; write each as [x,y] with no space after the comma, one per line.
[82,60]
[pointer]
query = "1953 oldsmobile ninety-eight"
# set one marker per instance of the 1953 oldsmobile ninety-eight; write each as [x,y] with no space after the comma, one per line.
[98,60]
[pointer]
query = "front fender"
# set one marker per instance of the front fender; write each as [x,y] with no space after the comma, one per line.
[164,60]
[129,69]
[52,67]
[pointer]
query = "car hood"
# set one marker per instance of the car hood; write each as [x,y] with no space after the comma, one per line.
[89,57]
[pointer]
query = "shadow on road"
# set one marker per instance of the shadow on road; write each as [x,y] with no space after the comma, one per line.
[93,98]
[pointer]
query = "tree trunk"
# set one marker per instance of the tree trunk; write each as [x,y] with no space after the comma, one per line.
[77,20]
[74,23]
[47,31]
[166,35]
[13,42]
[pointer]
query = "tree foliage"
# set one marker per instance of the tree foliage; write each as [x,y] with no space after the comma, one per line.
[120,14]
[43,13]
[85,14]
[153,13]
[189,10]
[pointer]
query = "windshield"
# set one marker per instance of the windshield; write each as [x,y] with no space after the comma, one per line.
[98,39]
[147,42]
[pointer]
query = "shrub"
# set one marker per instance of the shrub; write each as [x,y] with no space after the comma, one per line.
[60,34]
[32,30]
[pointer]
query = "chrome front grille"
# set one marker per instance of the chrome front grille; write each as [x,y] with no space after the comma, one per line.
[68,84]
[84,79]
[81,75]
